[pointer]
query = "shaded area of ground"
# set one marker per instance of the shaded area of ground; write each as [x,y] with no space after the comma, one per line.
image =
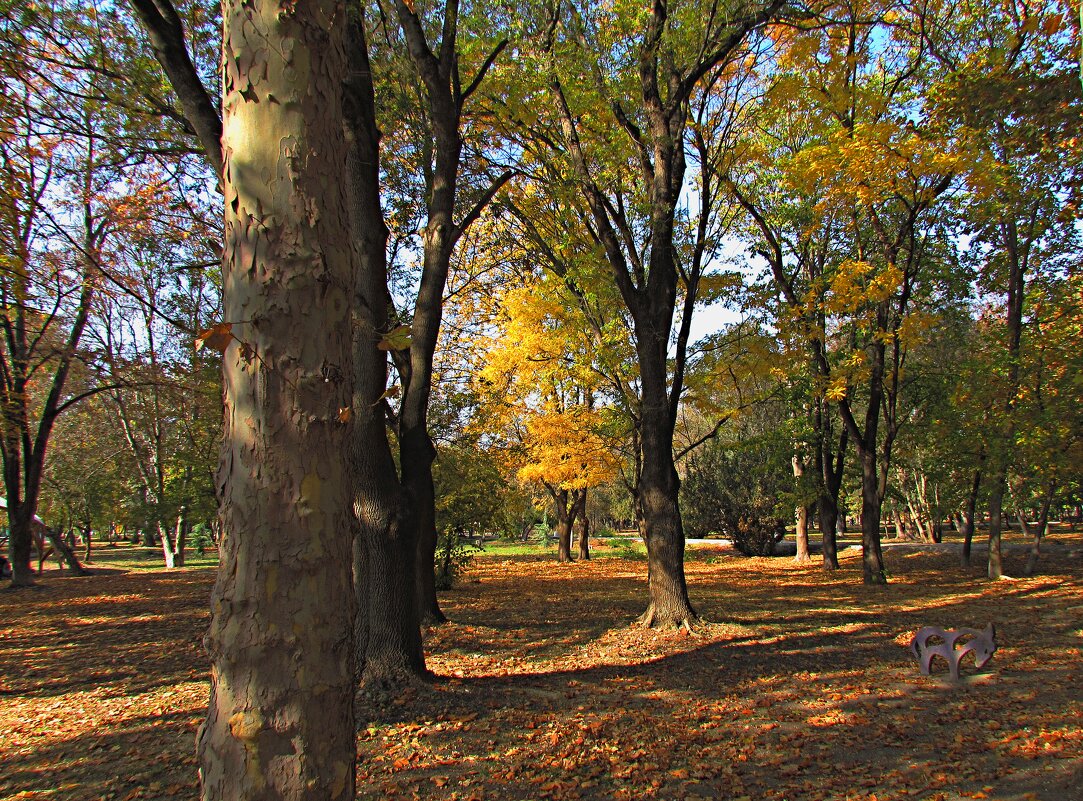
[798,687]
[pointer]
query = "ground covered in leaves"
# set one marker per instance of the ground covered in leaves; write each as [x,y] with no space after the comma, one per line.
[798,685]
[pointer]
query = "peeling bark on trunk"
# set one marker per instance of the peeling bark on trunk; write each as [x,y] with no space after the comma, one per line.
[280,721]
[802,516]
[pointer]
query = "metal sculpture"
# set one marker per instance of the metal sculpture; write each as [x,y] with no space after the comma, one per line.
[952,646]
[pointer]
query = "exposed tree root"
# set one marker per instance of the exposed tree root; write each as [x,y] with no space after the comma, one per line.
[653,619]
[384,683]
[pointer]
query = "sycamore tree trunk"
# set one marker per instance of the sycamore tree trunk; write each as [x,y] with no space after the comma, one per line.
[802,515]
[280,722]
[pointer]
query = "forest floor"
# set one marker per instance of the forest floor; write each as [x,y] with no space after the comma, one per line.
[798,685]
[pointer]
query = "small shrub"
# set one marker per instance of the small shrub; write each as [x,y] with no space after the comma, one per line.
[453,556]
[201,538]
[756,536]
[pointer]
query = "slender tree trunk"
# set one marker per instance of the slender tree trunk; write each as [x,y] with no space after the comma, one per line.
[180,537]
[1040,530]
[802,516]
[872,558]
[417,475]
[66,554]
[830,464]
[970,517]
[280,722]
[996,521]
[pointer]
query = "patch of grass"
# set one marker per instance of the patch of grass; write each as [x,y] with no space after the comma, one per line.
[125,556]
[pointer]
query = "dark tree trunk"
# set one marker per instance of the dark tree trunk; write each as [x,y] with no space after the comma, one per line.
[582,524]
[1039,530]
[1002,454]
[564,512]
[830,464]
[827,513]
[280,723]
[387,629]
[996,523]
[659,514]
[872,559]
[424,525]
[438,70]
[970,516]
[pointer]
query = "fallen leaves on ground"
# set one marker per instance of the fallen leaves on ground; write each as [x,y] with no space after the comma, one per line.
[797,685]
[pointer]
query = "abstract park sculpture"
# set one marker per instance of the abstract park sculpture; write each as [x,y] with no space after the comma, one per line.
[952,646]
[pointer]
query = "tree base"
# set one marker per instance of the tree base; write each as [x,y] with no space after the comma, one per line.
[654,618]
[430,618]
[383,681]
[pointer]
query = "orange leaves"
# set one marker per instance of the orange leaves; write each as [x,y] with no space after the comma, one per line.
[217,338]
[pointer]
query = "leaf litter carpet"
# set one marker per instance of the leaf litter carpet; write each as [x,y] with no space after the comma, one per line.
[798,685]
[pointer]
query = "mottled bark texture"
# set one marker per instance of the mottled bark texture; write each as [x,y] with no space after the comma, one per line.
[280,721]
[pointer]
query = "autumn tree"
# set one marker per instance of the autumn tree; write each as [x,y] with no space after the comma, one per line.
[544,399]
[1011,83]
[871,173]
[645,75]
[64,200]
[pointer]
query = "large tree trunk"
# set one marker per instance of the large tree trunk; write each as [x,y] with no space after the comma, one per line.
[20,545]
[280,722]
[387,631]
[659,514]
